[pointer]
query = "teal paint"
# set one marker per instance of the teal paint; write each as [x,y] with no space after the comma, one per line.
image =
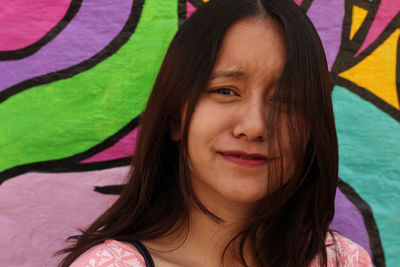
[369,160]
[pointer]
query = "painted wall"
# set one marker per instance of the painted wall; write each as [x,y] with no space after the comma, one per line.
[75,75]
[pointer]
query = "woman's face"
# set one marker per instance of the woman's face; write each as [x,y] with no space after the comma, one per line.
[227,138]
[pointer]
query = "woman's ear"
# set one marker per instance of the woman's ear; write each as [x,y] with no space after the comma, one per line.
[175,129]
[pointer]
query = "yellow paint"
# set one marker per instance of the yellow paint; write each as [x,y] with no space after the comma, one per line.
[205,1]
[358,17]
[377,72]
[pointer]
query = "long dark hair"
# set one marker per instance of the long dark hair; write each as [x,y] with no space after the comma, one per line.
[290,228]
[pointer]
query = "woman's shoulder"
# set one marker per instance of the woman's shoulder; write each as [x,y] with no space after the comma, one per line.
[110,253]
[345,252]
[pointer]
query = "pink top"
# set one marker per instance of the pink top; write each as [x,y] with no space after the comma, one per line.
[117,254]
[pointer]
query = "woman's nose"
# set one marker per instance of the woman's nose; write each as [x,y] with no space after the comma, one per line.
[251,123]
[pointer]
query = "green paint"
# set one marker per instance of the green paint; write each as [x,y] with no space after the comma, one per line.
[369,149]
[67,117]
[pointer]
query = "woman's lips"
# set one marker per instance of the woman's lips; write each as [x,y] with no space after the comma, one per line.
[245,159]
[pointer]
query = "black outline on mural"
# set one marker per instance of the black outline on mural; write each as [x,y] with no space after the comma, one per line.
[398,71]
[305,4]
[359,37]
[73,8]
[368,96]
[119,40]
[345,58]
[73,163]
[109,142]
[369,221]
[109,189]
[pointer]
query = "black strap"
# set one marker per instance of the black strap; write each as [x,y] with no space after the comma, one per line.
[145,253]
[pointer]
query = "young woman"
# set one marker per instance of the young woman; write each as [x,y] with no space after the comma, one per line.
[236,163]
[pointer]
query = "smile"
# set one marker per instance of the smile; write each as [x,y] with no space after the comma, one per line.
[244,159]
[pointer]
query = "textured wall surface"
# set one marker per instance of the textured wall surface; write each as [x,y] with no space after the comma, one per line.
[75,76]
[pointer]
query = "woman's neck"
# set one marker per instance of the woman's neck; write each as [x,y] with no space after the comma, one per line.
[203,241]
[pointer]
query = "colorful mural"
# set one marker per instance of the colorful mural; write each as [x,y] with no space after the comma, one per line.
[75,77]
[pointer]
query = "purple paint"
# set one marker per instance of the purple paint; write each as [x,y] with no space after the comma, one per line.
[327,17]
[349,221]
[386,12]
[93,27]
[40,210]
[123,148]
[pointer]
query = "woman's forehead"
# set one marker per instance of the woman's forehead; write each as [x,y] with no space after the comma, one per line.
[251,48]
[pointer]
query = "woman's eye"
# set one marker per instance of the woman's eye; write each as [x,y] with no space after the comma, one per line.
[224,91]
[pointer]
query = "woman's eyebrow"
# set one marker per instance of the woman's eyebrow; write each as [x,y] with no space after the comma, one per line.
[226,73]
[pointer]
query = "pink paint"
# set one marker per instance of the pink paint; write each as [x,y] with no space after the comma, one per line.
[40,210]
[387,10]
[123,148]
[189,9]
[298,1]
[24,22]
